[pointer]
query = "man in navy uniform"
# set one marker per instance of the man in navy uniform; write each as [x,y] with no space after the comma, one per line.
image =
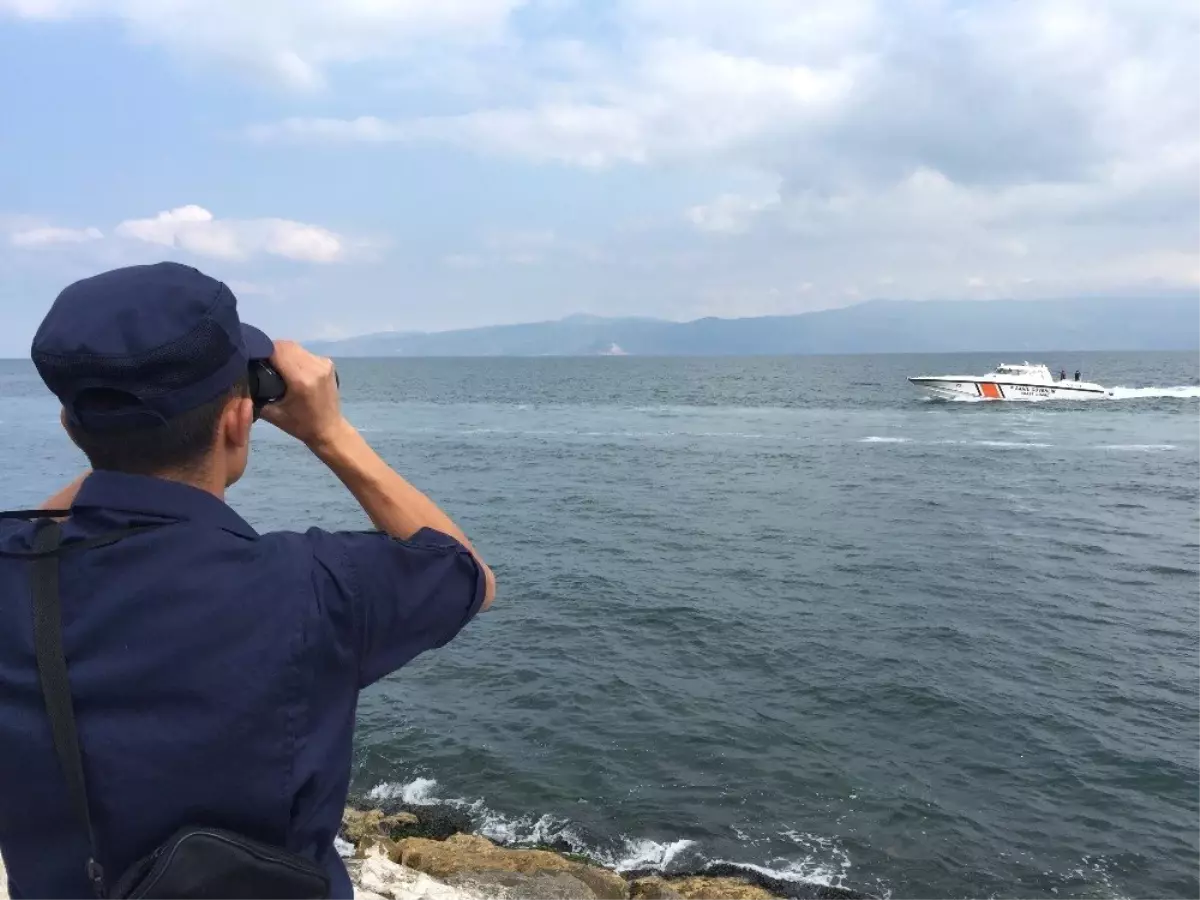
[214,671]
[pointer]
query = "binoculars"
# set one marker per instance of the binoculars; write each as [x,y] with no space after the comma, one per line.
[267,386]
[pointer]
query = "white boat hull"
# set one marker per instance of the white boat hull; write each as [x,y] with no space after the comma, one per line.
[953,388]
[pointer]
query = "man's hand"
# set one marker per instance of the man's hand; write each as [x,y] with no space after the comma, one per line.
[310,411]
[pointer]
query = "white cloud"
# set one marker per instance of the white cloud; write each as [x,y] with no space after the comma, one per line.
[1045,146]
[1011,134]
[942,239]
[580,134]
[837,90]
[293,42]
[685,100]
[815,28]
[196,230]
[295,240]
[730,213]
[35,237]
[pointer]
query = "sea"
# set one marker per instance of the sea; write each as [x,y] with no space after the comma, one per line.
[784,613]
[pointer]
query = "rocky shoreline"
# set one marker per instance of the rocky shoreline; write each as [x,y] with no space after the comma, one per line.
[407,852]
[428,853]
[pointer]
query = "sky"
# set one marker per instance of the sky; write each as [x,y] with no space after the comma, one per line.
[352,166]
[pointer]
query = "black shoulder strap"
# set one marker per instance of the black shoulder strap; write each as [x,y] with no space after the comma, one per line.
[35,514]
[100,540]
[51,658]
[56,688]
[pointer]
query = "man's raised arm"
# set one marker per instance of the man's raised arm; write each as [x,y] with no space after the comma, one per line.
[311,412]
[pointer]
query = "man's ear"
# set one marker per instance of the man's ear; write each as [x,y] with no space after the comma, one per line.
[237,420]
[62,418]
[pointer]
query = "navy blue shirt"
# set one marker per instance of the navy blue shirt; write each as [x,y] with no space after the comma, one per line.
[214,671]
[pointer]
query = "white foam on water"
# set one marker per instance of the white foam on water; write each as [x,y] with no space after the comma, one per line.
[1135,448]
[645,853]
[418,792]
[575,433]
[1010,444]
[967,398]
[963,398]
[495,826]
[1182,391]
[823,862]
[1094,872]
[524,829]
[876,439]
[344,849]
[801,871]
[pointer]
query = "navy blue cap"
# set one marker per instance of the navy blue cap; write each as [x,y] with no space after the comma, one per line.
[138,346]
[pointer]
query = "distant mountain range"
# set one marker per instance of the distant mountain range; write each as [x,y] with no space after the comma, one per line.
[878,326]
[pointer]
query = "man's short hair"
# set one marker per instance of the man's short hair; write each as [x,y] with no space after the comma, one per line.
[179,445]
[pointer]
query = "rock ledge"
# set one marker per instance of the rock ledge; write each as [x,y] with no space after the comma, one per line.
[407,854]
[414,854]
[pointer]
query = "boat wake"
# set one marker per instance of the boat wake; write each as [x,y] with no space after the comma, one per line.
[1013,445]
[1181,392]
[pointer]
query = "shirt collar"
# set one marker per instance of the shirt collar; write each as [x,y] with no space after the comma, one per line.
[159,497]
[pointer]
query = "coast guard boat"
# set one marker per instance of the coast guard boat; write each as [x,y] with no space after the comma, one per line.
[1010,382]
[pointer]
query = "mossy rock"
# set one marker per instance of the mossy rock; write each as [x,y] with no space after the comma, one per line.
[779,887]
[647,882]
[471,856]
[653,887]
[359,826]
[397,823]
[562,848]
[435,822]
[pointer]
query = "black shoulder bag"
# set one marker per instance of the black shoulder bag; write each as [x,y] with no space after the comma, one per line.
[195,862]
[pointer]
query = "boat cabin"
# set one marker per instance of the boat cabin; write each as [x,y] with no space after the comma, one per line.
[1025,371]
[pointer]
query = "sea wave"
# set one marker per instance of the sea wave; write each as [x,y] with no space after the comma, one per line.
[820,861]
[1008,445]
[1142,448]
[1001,445]
[1017,445]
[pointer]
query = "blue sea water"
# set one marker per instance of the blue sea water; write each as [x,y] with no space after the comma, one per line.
[786,613]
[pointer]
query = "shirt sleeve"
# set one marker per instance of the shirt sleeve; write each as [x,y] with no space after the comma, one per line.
[397,598]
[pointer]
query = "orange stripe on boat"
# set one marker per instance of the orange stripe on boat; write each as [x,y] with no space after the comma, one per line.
[989,390]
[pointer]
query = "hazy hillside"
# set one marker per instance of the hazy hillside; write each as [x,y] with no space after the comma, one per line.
[880,326]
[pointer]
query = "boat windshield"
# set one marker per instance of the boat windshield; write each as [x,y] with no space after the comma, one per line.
[1025,371]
